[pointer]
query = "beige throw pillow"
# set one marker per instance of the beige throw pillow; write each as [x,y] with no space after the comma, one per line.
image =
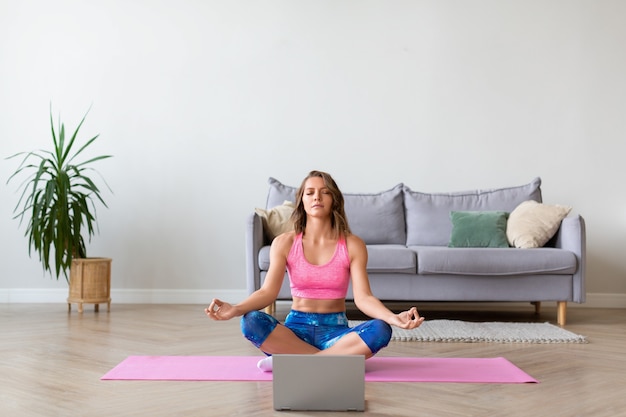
[532,224]
[276,219]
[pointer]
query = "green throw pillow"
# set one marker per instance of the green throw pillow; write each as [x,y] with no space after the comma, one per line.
[478,229]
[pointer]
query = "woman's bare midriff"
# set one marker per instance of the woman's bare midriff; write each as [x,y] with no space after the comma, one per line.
[311,305]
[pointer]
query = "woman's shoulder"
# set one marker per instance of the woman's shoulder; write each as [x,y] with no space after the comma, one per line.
[356,248]
[284,240]
[354,242]
[354,238]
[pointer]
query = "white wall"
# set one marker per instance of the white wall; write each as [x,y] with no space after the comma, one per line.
[201,101]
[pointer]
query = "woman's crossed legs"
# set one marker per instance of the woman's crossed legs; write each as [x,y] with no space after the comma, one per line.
[313,333]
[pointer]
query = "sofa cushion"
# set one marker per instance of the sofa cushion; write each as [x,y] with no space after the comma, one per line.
[391,259]
[428,215]
[279,192]
[376,218]
[478,229]
[264,258]
[276,220]
[532,224]
[493,261]
[382,259]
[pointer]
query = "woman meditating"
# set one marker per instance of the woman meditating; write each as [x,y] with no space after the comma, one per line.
[321,255]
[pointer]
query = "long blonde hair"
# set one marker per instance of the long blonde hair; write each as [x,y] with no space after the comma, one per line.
[338,219]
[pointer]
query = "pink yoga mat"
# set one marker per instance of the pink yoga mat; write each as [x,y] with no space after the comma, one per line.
[377,369]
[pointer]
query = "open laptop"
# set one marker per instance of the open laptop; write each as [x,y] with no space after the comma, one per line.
[319,382]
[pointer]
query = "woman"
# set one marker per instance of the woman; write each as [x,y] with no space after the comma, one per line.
[320,255]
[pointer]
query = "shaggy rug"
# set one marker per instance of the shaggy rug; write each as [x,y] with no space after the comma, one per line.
[494,332]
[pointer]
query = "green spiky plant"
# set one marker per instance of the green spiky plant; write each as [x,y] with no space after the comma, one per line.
[60,198]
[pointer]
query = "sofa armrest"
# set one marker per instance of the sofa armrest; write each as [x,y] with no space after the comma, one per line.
[254,243]
[572,236]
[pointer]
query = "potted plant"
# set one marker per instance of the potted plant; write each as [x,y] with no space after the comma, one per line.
[59,198]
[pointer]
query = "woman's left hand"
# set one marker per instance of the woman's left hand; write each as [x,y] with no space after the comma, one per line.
[409,319]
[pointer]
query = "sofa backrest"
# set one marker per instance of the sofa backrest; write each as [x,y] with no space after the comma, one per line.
[402,216]
[375,218]
[428,215]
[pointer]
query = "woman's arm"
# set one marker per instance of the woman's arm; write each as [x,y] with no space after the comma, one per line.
[363,297]
[267,294]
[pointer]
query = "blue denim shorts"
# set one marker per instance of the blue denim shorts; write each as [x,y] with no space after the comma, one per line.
[321,330]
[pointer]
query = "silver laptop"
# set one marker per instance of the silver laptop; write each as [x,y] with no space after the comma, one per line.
[319,382]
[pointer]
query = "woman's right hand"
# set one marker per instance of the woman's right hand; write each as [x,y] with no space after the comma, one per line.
[220,310]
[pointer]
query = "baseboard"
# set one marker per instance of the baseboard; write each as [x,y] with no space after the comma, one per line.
[598,300]
[170,296]
[124,296]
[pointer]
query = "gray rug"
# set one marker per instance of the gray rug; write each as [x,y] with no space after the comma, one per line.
[494,332]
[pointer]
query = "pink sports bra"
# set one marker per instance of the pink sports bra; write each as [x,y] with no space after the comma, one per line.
[325,282]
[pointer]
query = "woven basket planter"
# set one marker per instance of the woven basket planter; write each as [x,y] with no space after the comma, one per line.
[90,283]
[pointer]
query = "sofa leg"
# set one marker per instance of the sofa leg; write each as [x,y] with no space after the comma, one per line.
[561,314]
[537,305]
[271,309]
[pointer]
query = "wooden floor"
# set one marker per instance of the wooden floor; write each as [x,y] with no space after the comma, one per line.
[51,362]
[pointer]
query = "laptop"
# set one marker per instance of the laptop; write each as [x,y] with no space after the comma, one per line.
[319,382]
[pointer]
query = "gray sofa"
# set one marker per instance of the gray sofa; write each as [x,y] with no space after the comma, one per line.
[409,237]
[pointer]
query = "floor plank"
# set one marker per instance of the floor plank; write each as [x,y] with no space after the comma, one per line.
[51,362]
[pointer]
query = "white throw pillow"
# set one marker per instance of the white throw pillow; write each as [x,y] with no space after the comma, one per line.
[276,220]
[532,224]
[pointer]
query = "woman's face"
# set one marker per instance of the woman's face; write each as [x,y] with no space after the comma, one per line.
[317,198]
